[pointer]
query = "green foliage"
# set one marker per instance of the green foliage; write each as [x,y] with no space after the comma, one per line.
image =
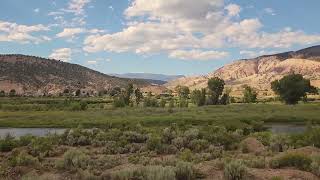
[145,173]
[7,143]
[216,87]
[73,159]
[187,155]
[296,160]
[150,101]
[315,165]
[198,97]
[171,103]
[22,159]
[249,95]
[183,103]
[127,94]
[2,93]
[235,170]
[163,103]
[183,91]
[41,146]
[292,88]
[154,143]
[138,95]
[184,171]
[12,93]
[119,102]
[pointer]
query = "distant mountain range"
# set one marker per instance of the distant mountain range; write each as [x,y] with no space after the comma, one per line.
[154,78]
[261,71]
[36,75]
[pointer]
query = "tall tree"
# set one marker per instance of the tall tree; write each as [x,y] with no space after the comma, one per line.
[138,95]
[215,86]
[128,93]
[249,95]
[292,88]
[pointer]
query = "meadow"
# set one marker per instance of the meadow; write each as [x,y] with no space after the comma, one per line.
[58,112]
[102,142]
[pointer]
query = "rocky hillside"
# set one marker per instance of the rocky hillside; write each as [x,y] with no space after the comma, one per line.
[35,75]
[261,71]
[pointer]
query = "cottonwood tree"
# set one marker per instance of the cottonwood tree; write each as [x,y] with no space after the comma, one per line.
[292,88]
[216,87]
[249,95]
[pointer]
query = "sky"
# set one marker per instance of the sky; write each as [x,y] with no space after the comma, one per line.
[188,37]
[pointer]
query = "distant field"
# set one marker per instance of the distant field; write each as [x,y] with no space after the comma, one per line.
[104,115]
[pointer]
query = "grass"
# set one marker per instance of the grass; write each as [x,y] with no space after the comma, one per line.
[232,115]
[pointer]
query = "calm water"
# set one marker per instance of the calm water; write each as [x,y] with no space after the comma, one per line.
[18,132]
[286,129]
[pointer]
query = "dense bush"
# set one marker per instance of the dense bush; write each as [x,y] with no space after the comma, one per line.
[299,161]
[7,143]
[73,159]
[184,171]
[235,170]
[315,165]
[41,146]
[22,159]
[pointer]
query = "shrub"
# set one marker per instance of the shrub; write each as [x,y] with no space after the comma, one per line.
[235,170]
[184,171]
[249,95]
[277,178]
[26,140]
[41,146]
[299,161]
[154,143]
[73,159]
[7,143]
[134,137]
[315,165]
[22,159]
[187,155]
[163,103]
[168,135]
[119,102]
[145,173]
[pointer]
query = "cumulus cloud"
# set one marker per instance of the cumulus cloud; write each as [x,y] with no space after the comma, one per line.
[63,54]
[197,55]
[12,32]
[170,27]
[70,32]
[233,9]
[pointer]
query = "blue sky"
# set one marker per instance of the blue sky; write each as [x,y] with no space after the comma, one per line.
[156,36]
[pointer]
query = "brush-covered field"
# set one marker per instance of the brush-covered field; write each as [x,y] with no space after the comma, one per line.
[137,143]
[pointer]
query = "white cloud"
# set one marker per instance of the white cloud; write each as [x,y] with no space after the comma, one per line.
[12,32]
[270,11]
[63,54]
[233,9]
[170,27]
[92,62]
[197,55]
[77,6]
[70,32]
